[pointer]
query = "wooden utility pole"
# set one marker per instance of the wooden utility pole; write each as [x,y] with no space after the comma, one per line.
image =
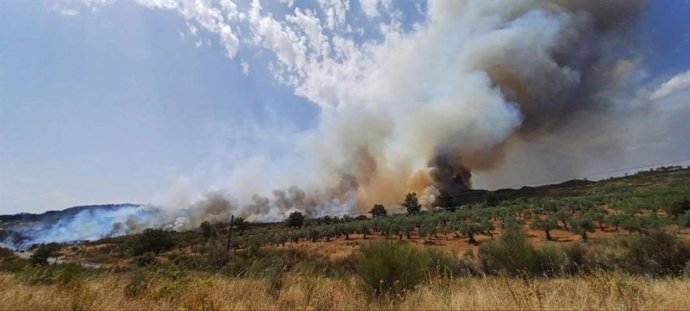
[232,219]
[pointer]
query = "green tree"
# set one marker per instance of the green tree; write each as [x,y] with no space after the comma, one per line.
[546,224]
[490,199]
[152,240]
[412,204]
[206,230]
[295,220]
[678,208]
[378,210]
[470,227]
[41,255]
[363,229]
[615,220]
[582,225]
[445,201]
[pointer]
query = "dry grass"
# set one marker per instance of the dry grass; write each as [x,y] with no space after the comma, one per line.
[601,291]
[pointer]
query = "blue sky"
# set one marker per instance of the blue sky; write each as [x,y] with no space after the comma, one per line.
[106,102]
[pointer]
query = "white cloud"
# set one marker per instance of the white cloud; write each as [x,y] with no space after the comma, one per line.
[69,12]
[336,12]
[678,83]
[245,67]
[370,7]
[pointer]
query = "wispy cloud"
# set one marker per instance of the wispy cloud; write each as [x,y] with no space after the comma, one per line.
[68,12]
[678,83]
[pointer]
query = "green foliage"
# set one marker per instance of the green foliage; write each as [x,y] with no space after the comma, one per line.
[36,275]
[412,204]
[378,210]
[445,201]
[545,224]
[655,254]
[41,255]
[152,240]
[206,230]
[391,268]
[490,199]
[679,207]
[295,220]
[582,225]
[511,254]
[145,259]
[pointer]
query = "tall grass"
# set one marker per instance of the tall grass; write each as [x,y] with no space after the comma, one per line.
[214,292]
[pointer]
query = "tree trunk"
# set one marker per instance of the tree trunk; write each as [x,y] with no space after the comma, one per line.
[232,218]
[548,235]
[584,235]
[471,240]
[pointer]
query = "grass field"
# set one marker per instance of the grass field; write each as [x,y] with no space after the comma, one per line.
[212,292]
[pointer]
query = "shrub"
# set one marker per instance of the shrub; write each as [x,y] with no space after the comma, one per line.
[511,254]
[69,274]
[578,259]
[152,240]
[217,256]
[41,255]
[206,230]
[444,265]
[137,285]
[145,259]
[656,254]
[391,268]
[677,208]
[551,260]
[33,275]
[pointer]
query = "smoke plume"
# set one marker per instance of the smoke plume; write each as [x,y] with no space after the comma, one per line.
[423,109]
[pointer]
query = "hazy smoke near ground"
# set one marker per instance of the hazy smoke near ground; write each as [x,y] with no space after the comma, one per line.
[466,90]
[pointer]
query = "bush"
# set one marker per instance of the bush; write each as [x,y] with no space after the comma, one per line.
[656,254]
[551,260]
[391,268]
[62,274]
[217,256]
[41,255]
[137,285]
[152,240]
[69,274]
[511,254]
[145,259]
[33,275]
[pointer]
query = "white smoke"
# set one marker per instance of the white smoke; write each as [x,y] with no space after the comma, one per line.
[471,83]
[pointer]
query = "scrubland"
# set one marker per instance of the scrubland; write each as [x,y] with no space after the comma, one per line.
[617,244]
[214,292]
